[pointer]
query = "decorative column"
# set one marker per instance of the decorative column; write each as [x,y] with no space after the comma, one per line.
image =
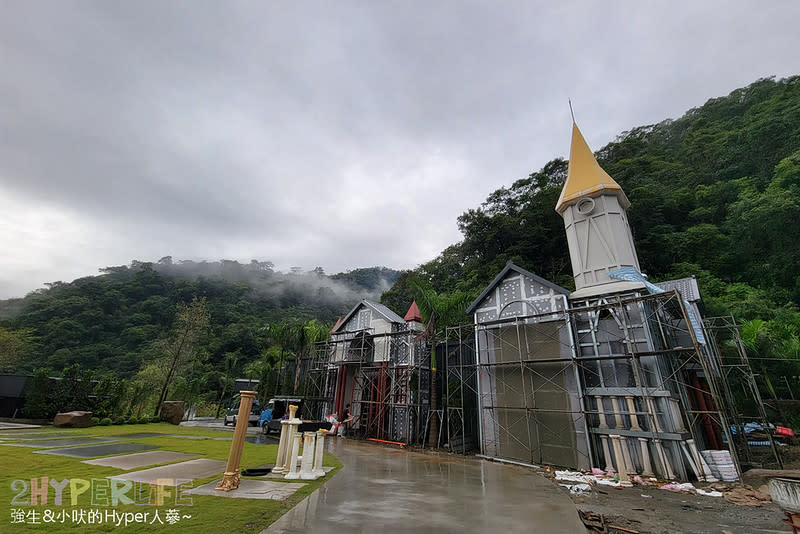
[283,446]
[293,474]
[318,471]
[632,412]
[601,412]
[290,425]
[662,456]
[617,414]
[623,472]
[676,415]
[647,467]
[309,447]
[609,468]
[230,481]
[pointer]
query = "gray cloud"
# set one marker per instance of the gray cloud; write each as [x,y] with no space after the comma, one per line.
[338,134]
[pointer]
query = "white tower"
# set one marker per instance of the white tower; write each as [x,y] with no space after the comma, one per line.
[599,237]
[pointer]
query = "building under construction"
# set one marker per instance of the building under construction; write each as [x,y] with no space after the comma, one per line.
[379,364]
[620,374]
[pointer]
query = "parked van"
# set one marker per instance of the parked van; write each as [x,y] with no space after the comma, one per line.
[274,411]
[233,412]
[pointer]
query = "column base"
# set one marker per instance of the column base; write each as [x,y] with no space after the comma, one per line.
[230,481]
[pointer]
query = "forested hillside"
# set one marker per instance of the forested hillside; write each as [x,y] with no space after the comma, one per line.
[714,194]
[109,322]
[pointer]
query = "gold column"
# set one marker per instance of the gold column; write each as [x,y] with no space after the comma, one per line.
[230,481]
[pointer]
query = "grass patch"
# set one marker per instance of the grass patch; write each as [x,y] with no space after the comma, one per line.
[208,513]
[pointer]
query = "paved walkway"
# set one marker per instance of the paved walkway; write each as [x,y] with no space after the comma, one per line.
[385,490]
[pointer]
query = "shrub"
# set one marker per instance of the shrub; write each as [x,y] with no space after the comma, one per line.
[119,421]
[155,419]
[105,421]
[96,421]
[132,420]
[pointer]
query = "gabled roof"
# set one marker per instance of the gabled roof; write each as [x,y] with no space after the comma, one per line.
[382,310]
[510,266]
[413,313]
[585,176]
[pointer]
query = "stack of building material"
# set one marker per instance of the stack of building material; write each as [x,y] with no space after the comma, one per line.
[721,465]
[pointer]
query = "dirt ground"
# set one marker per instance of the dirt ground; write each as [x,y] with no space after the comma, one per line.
[649,509]
[668,512]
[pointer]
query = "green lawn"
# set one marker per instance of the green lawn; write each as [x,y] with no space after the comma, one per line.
[208,513]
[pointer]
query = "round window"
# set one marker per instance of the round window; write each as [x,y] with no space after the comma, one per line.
[585,206]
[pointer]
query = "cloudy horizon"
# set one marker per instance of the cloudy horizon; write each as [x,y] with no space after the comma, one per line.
[340,135]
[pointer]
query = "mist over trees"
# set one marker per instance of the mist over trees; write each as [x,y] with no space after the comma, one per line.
[115,321]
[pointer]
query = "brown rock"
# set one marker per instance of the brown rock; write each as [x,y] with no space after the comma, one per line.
[73,419]
[172,412]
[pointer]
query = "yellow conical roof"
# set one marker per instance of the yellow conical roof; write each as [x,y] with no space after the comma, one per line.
[585,176]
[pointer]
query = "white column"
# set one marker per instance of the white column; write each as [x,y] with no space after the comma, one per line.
[617,414]
[662,456]
[283,446]
[626,454]
[676,415]
[309,446]
[601,412]
[293,474]
[318,454]
[647,466]
[609,468]
[632,412]
[623,472]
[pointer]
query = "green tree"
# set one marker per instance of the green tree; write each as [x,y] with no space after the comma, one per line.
[180,348]
[14,346]
[227,377]
[308,334]
[285,335]
[439,310]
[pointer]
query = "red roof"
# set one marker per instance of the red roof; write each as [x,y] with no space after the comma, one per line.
[338,322]
[413,314]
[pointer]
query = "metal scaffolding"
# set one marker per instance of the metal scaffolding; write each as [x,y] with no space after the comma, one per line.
[742,395]
[385,377]
[619,383]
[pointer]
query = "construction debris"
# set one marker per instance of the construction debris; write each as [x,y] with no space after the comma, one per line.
[742,494]
[599,523]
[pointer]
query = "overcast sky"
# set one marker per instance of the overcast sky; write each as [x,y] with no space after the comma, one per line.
[334,134]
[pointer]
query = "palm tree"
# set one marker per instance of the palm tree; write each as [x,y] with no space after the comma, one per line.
[226,379]
[439,310]
[308,334]
[284,334]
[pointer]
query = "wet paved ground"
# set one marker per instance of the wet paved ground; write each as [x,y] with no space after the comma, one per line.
[387,490]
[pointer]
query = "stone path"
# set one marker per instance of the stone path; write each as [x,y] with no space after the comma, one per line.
[251,489]
[189,470]
[98,450]
[12,426]
[142,459]
[58,442]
